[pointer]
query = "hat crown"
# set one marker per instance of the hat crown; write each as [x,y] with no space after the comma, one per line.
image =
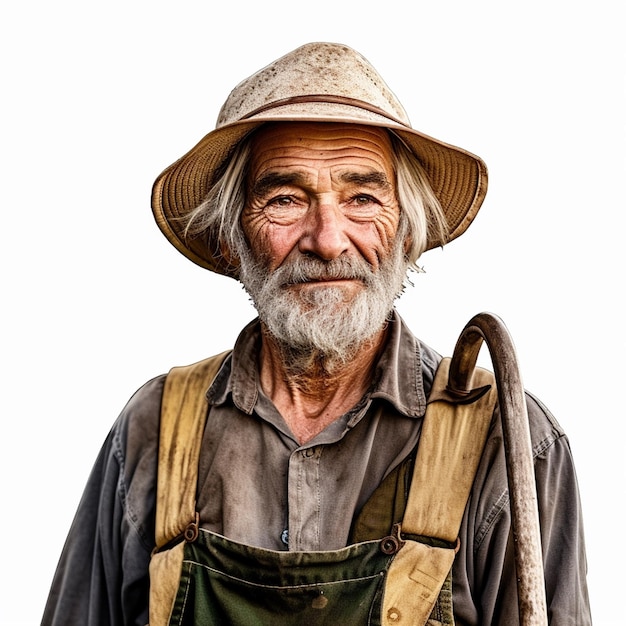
[315,69]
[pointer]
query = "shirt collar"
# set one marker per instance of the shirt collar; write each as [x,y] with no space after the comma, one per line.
[399,373]
[404,373]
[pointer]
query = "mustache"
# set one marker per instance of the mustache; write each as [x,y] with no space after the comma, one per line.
[307,269]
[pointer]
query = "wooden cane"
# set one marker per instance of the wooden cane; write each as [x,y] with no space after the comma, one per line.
[518,452]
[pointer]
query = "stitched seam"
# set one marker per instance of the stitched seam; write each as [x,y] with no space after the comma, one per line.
[122,493]
[191,562]
[492,517]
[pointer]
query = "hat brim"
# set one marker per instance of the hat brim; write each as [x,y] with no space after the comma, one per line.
[458,178]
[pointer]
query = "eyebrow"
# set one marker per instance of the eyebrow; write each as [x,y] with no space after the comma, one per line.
[272,180]
[369,178]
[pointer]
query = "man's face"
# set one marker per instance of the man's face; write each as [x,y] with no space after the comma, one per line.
[321,218]
[321,190]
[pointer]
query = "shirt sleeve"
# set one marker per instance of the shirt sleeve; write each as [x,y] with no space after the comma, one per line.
[484,577]
[102,575]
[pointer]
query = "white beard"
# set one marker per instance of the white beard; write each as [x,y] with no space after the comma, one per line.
[322,325]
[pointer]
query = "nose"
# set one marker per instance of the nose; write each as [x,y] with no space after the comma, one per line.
[324,232]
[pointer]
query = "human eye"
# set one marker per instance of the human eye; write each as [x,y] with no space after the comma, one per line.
[280,202]
[362,206]
[284,209]
[365,200]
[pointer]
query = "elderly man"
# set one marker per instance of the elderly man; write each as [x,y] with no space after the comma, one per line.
[285,465]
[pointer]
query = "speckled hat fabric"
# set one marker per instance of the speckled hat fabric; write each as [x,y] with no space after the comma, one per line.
[323,82]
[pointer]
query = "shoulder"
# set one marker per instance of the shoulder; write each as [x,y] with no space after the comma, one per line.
[546,435]
[545,430]
[135,434]
[120,488]
[138,423]
[551,454]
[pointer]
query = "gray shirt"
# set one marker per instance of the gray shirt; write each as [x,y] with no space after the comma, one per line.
[257,485]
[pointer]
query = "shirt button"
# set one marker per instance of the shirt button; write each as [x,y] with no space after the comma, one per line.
[308,453]
[284,537]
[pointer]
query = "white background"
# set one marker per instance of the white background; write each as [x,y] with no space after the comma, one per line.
[98,98]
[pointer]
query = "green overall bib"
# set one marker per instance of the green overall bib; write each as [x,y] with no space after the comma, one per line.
[392,573]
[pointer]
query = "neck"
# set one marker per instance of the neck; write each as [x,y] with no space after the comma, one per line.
[309,391]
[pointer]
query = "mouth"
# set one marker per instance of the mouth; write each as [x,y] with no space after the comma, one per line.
[325,281]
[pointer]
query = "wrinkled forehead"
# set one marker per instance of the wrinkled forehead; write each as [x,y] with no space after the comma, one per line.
[315,144]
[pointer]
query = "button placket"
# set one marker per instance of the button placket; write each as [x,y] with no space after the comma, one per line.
[304,499]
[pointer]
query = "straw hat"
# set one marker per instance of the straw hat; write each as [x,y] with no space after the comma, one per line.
[323,82]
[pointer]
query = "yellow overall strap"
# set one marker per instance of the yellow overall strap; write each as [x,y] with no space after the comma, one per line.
[451,445]
[183,416]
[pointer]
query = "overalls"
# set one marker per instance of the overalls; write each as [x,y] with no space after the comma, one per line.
[391,573]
